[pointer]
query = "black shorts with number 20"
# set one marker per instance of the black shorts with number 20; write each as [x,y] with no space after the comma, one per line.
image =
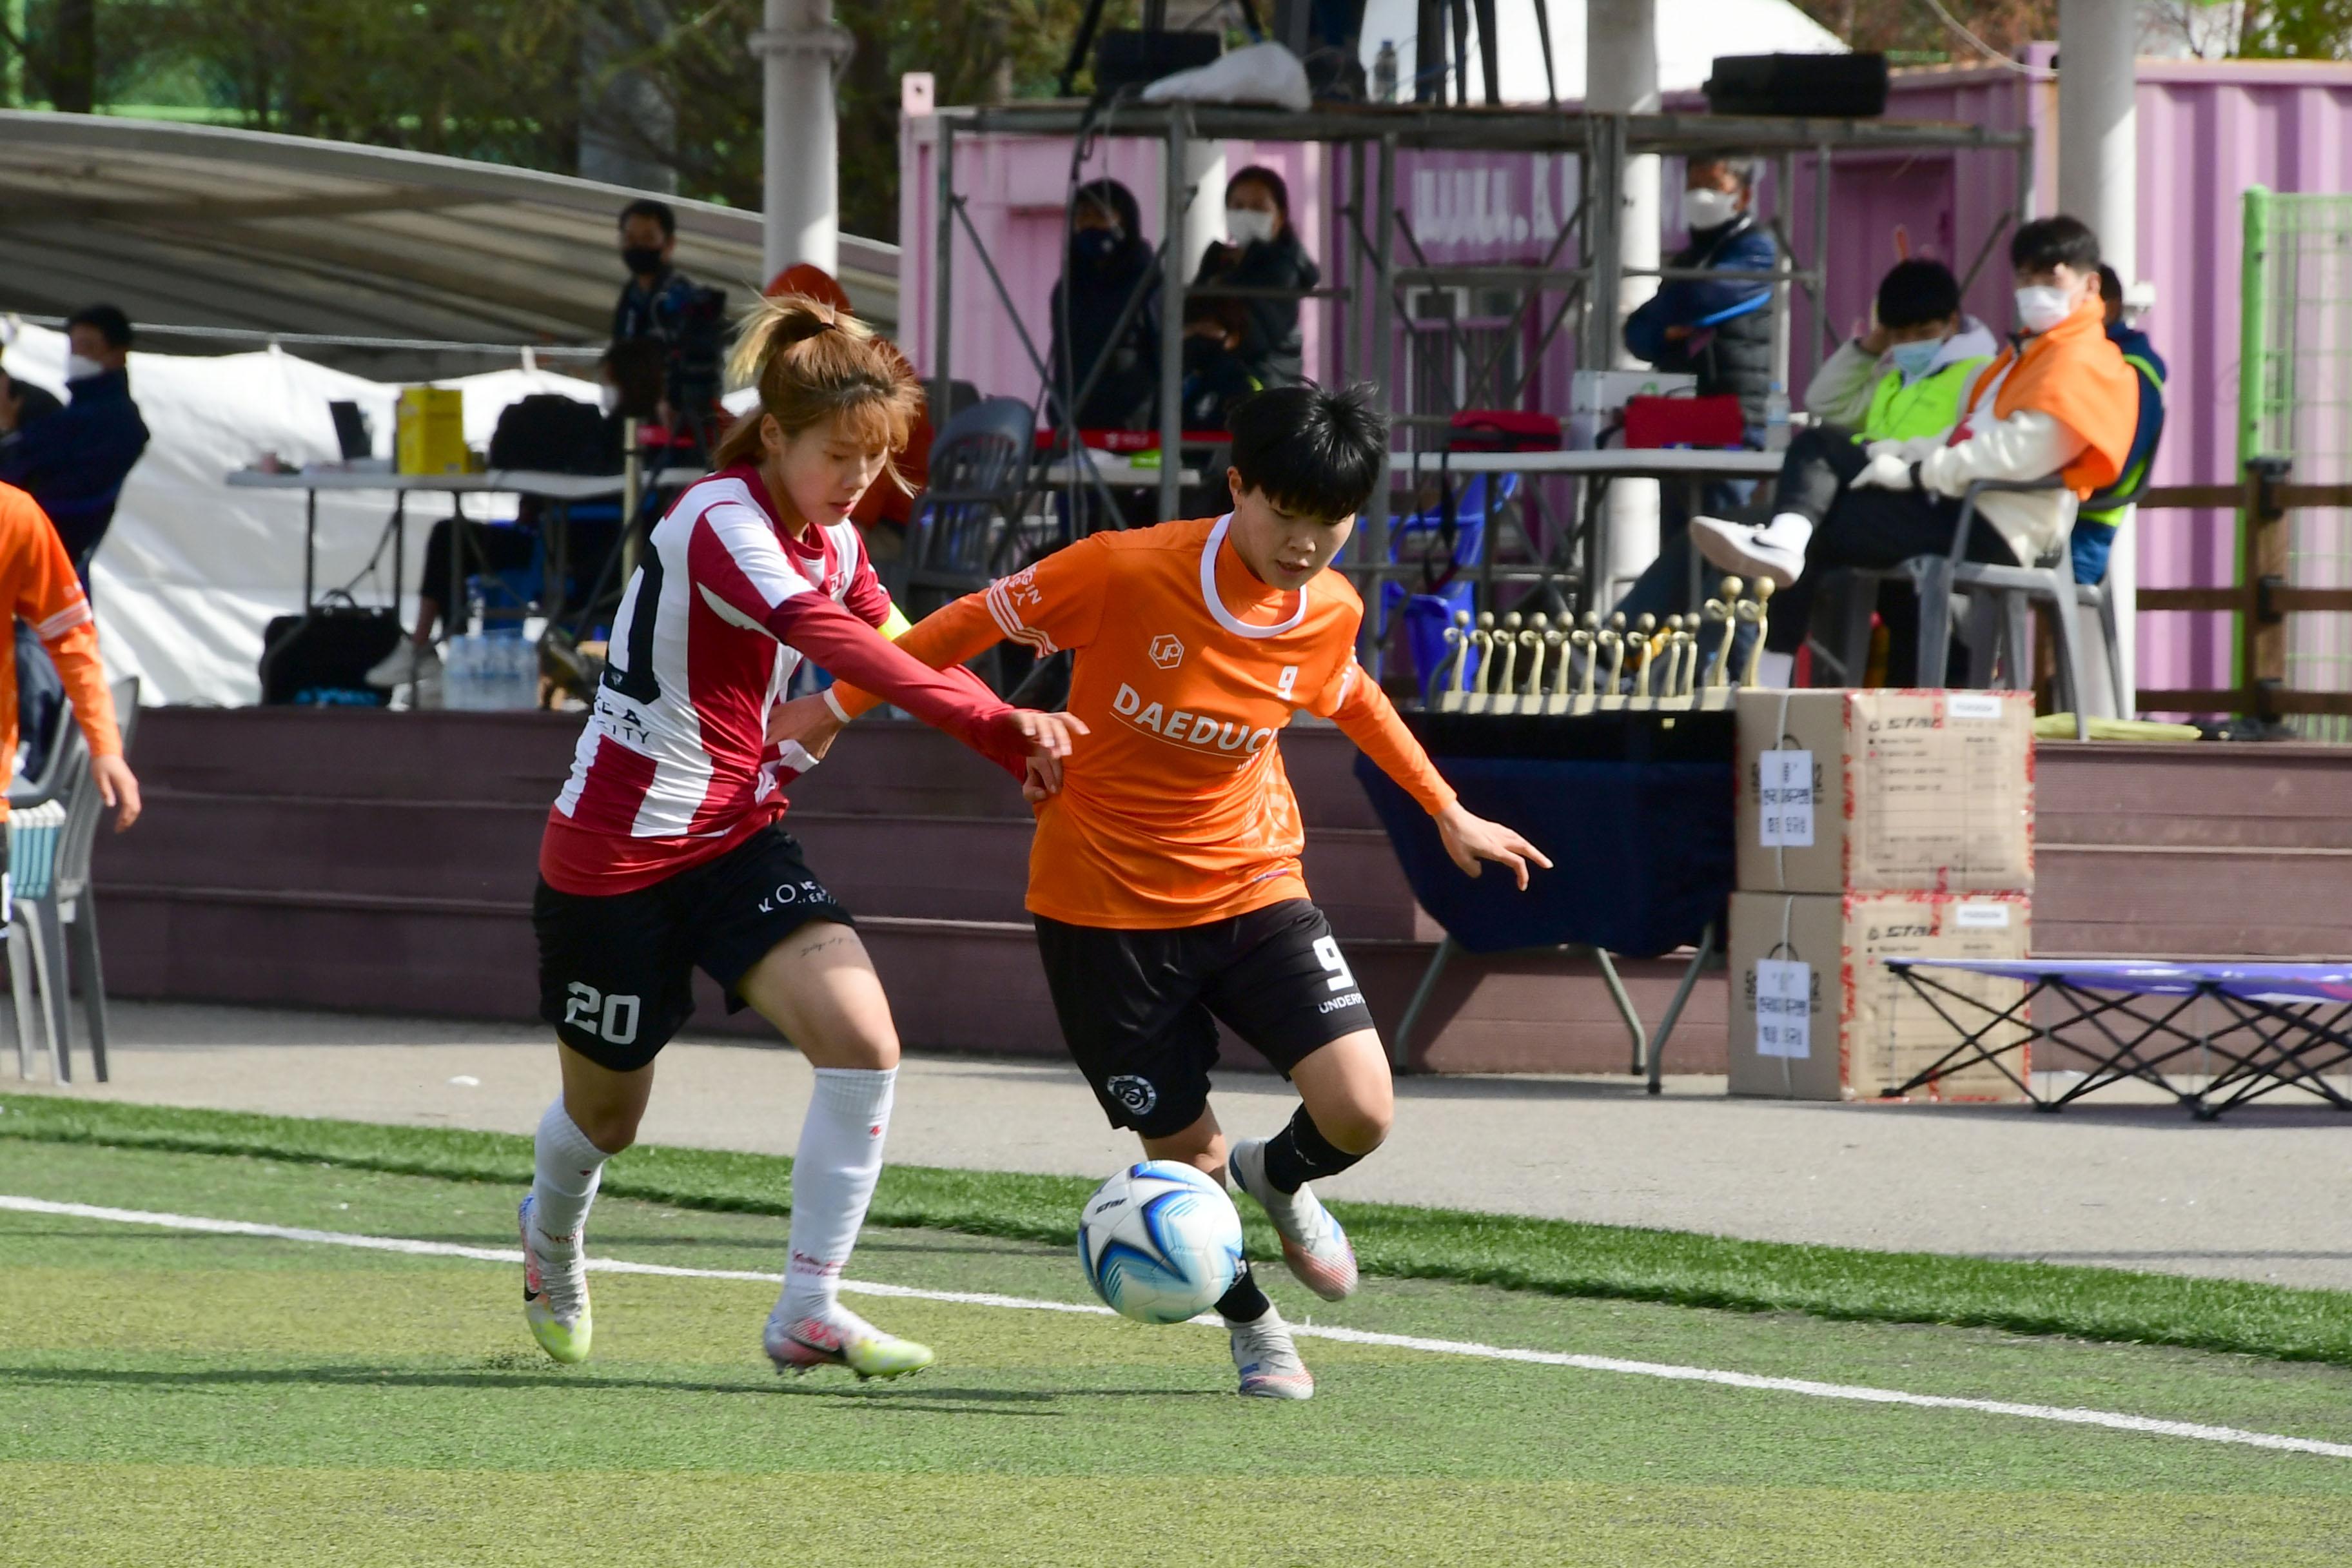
[616,970]
[1139,1008]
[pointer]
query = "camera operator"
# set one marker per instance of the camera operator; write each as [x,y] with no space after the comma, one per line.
[661,303]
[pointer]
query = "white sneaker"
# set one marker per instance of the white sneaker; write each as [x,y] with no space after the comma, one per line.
[554,1290]
[1313,1244]
[1268,1359]
[412,660]
[1776,550]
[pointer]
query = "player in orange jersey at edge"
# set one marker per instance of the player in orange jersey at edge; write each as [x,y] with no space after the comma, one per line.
[1165,878]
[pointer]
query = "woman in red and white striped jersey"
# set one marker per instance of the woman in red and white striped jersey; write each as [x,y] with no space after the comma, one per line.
[664,851]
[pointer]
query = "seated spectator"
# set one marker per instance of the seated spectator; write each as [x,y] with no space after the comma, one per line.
[40,695]
[74,462]
[1235,346]
[2095,525]
[22,402]
[1719,330]
[1903,377]
[1116,367]
[2059,402]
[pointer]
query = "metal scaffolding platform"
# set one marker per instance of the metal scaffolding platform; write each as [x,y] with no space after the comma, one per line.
[1574,288]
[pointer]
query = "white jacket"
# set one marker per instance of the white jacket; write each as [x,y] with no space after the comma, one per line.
[2027,445]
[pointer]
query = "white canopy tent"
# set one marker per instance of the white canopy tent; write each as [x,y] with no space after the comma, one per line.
[192,570]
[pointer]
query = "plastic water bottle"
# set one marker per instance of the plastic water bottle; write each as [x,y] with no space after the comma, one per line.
[1775,421]
[1384,73]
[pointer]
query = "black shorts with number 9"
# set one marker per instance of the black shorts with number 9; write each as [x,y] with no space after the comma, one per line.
[616,970]
[1140,1009]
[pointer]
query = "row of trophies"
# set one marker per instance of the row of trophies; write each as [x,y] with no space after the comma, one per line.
[1536,667]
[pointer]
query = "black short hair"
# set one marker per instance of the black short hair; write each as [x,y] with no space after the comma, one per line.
[646,206]
[1310,450]
[111,323]
[2111,287]
[1259,173]
[1916,293]
[2046,242]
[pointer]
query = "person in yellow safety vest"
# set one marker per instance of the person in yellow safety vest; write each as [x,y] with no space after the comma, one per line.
[1905,376]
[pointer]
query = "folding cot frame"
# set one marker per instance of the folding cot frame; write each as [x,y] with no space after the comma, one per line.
[2287,1024]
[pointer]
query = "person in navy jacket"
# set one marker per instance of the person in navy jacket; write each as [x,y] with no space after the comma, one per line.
[74,462]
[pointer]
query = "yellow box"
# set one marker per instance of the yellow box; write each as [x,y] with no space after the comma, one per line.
[431,430]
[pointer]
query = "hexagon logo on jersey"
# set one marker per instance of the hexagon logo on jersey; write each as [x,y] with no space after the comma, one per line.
[1166,651]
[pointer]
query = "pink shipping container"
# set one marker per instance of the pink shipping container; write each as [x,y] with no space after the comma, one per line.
[2207,130]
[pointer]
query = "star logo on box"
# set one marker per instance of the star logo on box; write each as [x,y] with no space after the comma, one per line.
[1166,651]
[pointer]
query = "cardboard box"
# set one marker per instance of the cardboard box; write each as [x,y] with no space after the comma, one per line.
[1815,1017]
[1871,790]
[431,430]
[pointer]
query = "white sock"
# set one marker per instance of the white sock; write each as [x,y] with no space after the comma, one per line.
[569,1167]
[1775,671]
[834,1173]
[1793,529]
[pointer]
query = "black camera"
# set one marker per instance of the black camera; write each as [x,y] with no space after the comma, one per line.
[694,328]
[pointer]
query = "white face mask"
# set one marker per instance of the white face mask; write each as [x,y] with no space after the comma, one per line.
[1248,226]
[79,368]
[1708,208]
[2042,307]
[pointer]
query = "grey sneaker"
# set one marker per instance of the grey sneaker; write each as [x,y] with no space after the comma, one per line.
[410,661]
[1268,1360]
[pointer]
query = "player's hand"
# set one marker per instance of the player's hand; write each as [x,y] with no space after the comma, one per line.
[1042,781]
[118,786]
[809,720]
[1049,735]
[1887,471]
[1470,838]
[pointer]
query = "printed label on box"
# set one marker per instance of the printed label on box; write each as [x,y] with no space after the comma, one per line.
[1978,706]
[1784,798]
[1981,917]
[1784,1006]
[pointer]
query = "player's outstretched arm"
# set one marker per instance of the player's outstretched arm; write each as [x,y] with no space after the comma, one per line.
[1366,716]
[942,639]
[855,651]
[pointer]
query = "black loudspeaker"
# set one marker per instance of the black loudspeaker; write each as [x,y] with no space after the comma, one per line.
[1124,59]
[1820,86]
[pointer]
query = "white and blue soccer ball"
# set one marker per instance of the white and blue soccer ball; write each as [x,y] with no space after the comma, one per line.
[1160,1242]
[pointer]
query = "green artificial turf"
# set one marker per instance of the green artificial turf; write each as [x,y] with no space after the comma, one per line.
[198,1399]
[1553,1257]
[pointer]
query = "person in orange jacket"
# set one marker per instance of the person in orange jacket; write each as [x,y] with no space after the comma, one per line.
[40,586]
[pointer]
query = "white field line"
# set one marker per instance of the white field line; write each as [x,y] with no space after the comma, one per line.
[1808,1387]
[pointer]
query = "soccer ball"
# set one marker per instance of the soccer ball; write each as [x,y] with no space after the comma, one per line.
[1160,1242]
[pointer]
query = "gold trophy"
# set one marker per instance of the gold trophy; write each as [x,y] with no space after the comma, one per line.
[1556,642]
[1686,663]
[1506,697]
[1614,638]
[1586,639]
[1756,611]
[1534,639]
[1642,647]
[1482,640]
[1457,637]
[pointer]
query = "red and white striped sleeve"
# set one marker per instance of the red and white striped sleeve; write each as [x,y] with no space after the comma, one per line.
[739,572]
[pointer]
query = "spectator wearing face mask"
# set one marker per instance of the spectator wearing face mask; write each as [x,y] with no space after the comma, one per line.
[651,299]
[1235,346]
[1105,265]
[2058,401]
[1903,377]
[74,462]
[1719,330]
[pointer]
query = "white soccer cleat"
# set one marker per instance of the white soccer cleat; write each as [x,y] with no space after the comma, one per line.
[1313,1244]
[1268,1359]
[1776,550]
[410,661]
[842,1338]
[554,1290]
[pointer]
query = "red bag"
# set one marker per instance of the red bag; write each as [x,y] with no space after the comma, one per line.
[1652,422]
[1504,430]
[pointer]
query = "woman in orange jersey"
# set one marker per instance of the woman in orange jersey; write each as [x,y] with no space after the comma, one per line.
[1165,878]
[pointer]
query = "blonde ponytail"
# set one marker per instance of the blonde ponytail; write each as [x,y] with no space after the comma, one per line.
[814,365]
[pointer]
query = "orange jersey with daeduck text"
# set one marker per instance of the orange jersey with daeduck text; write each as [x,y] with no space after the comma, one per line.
[1175,810]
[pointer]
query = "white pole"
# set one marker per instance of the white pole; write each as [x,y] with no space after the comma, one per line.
[2098,182]
[1621,73]
[799,49]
